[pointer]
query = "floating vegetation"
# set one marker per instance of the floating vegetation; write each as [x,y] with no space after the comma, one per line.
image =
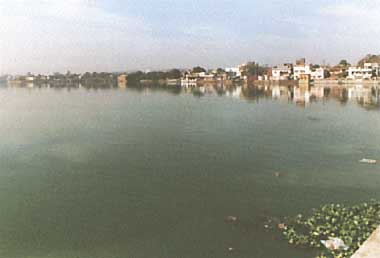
[352,225]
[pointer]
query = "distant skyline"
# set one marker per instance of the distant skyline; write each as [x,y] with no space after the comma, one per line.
[46,36]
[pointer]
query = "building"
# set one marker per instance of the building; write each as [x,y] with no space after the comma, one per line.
[29,78]
[240,71]
[173,82]
[122,81]
[318,74]
[337,72]
[189,81]
[374,67]
[234,71]
[282,72]
[369,71]
[358,73]
[205,76]
[300,70]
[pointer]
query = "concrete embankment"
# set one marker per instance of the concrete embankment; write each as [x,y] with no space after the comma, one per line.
[370,248]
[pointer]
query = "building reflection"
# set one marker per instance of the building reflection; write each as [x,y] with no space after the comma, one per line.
[304,95]
[301,95]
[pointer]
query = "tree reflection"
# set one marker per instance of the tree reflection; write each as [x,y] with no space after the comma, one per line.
[367,97]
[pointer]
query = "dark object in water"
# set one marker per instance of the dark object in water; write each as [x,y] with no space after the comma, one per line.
[312,118]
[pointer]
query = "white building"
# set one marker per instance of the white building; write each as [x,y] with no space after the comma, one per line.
[205,76]
[173,82]
[235,71]
[189,81]
[299,70]
[282,72]
[358,73]
[29,78]
[374,67]
[318,74]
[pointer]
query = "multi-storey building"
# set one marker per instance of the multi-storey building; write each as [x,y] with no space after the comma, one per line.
[282,72]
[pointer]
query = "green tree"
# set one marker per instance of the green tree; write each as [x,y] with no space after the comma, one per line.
[253,69]
[173,74]
[134,78]
[344,63]
[220,71]
[154,76]
[369,59]
[198,69]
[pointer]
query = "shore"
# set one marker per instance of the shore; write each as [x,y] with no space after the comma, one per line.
[322,82]
[370,248]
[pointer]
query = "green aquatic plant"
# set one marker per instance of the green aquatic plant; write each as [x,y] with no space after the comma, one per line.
[353,225]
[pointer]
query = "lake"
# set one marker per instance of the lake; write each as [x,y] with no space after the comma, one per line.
[145,173]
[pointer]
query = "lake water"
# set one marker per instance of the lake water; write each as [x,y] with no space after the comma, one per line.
[126,173]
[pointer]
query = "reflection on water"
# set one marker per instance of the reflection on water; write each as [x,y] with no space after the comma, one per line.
[302,95]
[365,96]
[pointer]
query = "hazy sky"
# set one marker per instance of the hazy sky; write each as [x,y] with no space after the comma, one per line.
[117,35]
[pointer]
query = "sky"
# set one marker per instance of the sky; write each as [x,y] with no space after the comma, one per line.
[46,36]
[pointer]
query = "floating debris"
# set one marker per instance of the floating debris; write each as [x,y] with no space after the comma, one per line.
[334,244]
[280,174]
[281,226]
[272,222]
[368,161]
[232,219]
[231,249]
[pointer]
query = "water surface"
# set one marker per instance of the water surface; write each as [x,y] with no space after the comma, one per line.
[151,173]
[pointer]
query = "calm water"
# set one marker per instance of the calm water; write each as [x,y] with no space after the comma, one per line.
[149,174]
